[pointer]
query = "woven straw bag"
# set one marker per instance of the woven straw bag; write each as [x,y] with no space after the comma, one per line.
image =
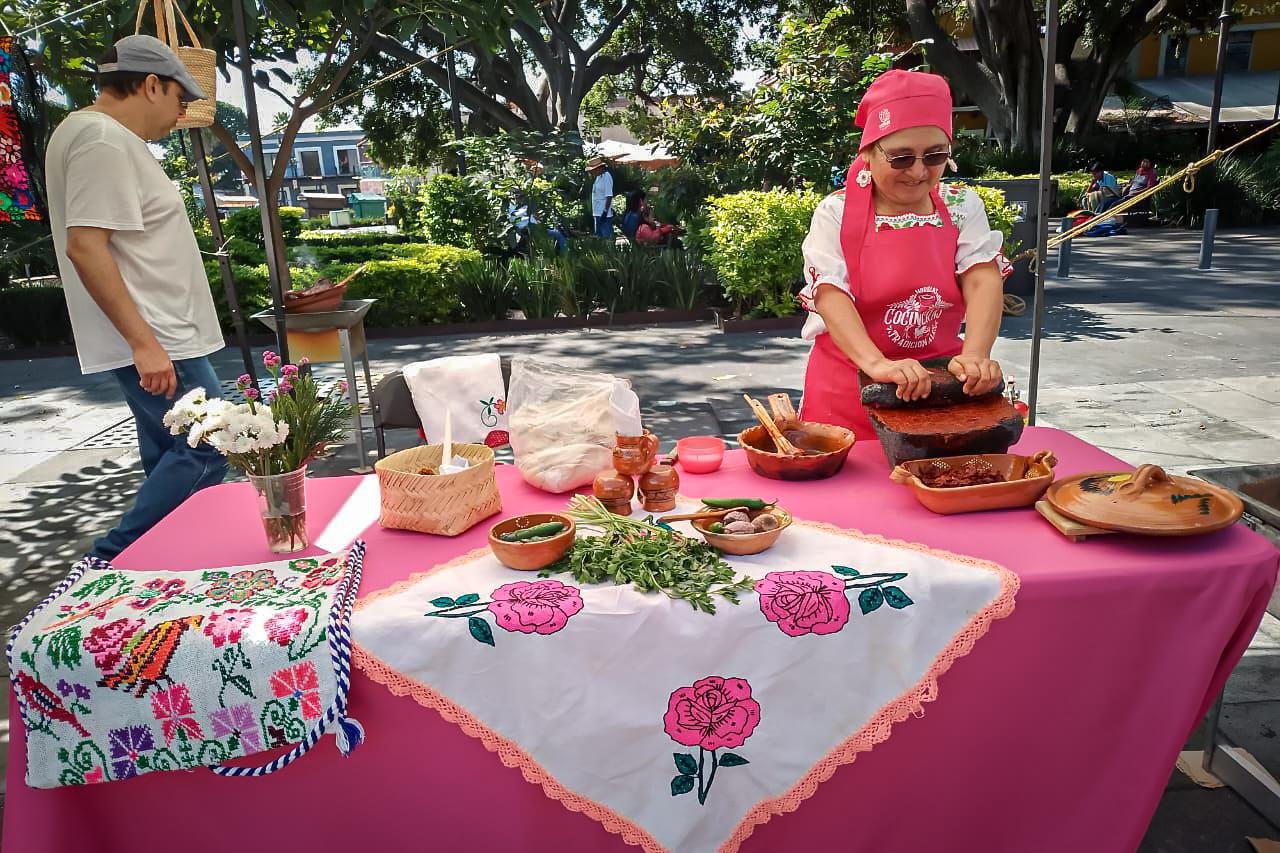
[445,505]
[201,62]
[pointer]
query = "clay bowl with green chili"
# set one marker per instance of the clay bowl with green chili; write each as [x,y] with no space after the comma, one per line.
[531,542]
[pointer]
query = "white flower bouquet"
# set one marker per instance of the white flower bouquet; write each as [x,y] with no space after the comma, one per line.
[271,440]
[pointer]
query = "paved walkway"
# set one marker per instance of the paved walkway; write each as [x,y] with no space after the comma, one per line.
[1142,355]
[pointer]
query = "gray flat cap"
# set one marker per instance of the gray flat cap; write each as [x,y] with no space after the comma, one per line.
[149,55]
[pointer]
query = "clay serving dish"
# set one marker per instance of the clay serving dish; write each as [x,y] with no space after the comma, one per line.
[325,296]
[825,449]
[744,544]
[1146,501]
[1025,479]
[531,556]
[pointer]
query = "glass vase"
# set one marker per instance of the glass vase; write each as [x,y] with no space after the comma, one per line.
[282,503]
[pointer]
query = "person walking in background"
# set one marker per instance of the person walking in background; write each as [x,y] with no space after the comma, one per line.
[601,196]
[131,271]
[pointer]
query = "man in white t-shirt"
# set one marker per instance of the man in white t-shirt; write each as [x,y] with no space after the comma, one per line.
[135,286]
[601,196]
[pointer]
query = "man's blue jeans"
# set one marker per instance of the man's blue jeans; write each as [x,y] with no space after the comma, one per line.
[604,226]
[174,471]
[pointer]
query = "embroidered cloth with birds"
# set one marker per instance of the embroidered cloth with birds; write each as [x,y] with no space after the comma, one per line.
[123,673]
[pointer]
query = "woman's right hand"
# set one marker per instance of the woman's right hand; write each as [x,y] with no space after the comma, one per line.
[908,374]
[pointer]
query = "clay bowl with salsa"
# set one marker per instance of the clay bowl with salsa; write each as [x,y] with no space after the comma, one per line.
[977,482]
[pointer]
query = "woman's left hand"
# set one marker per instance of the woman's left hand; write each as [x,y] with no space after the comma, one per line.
[979,374]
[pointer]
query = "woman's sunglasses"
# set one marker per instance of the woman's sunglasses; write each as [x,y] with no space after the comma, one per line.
[902,162]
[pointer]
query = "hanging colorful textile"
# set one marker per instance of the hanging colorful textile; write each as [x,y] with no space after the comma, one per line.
[17,195]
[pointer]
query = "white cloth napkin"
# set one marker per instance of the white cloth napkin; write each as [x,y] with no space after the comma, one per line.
[468,386]
[637,695]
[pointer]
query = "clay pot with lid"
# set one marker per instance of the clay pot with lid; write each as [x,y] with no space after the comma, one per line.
[659,486]
[615,491]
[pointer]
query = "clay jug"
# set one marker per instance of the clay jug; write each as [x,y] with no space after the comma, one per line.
[634,454]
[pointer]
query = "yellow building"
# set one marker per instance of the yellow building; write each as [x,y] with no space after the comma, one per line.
[1253,44]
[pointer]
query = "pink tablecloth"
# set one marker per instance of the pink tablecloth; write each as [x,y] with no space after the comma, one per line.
[1057,734]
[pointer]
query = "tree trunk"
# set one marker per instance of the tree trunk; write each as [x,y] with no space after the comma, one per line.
[968,76]
[1007,33]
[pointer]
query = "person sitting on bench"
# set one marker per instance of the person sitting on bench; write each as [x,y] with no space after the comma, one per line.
[1103,192]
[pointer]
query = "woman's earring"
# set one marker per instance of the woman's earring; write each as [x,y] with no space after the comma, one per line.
[864,178]
[951,165]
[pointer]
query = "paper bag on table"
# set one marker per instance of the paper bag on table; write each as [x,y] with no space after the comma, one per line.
[564,422]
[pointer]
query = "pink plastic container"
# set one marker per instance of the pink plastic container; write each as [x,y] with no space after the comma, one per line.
[700,454]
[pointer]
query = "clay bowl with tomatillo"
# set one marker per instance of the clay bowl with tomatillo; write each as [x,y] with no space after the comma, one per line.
[745,544]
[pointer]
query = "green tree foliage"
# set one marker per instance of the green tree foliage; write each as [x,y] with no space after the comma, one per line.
[456,213]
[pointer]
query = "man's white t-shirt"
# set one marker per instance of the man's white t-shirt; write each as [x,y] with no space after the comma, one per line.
[601,191]
[101,174]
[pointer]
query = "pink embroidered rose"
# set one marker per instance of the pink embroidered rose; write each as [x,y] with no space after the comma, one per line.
[285,625]
[715,712]
[534,607]
[94,776]
[300,684]
[157,590]
[804,602]
[173,709]
[106,642]
[327,573]
[226,626]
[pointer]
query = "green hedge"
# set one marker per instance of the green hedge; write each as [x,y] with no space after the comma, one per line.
[455,213]
[358,238]
[321,254]
[413,291]
[418,289]
[246,224]
[753,243]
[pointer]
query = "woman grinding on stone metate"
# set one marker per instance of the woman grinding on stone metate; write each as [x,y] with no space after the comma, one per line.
[897,260]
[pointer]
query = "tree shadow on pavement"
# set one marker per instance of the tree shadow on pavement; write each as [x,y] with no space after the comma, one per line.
[52,525]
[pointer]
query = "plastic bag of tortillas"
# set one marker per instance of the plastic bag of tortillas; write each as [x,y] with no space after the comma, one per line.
[563,422]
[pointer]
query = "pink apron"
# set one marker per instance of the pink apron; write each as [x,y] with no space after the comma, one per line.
[907,296]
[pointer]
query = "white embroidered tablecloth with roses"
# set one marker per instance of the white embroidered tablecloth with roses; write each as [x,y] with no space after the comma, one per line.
[679,730]
[122,673]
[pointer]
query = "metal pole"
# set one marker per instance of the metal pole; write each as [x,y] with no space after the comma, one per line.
[1206,239]
[1064,249]
[224,263]
[1046,198]
[277,262]
[455,112]
[1224,29]
[1276,115]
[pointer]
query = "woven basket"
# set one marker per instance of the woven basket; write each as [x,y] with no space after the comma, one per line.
[201,62]
[442,504]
